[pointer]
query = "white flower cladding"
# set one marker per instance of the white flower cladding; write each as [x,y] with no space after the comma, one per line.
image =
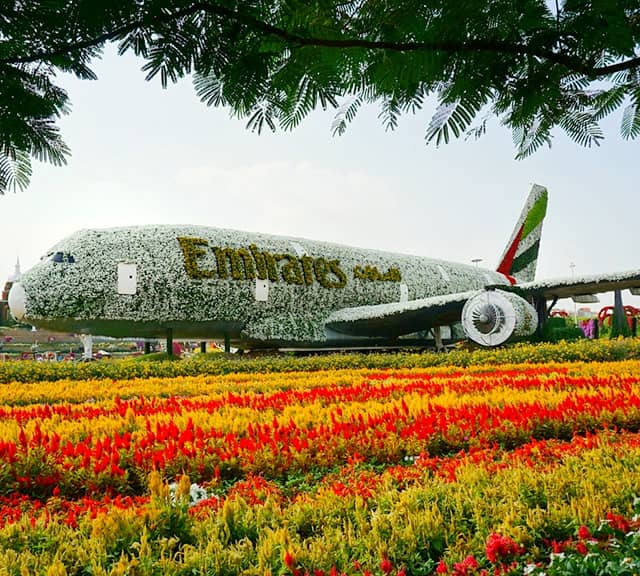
[206,282]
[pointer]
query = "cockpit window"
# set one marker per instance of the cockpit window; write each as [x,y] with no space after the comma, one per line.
[62,257]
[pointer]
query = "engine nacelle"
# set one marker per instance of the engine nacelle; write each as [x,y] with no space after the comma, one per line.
[491,317]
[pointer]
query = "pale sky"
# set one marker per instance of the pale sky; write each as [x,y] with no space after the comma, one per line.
[144,155]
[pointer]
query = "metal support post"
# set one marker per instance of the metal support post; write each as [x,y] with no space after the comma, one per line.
[170,341]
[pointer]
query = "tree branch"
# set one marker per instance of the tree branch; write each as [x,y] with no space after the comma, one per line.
[572,63]
[65,49]
[619,67]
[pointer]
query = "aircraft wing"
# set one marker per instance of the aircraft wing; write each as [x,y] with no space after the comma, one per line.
[399,318]
[580,285]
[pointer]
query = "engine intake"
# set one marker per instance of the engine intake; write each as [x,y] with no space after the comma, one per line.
[491,317]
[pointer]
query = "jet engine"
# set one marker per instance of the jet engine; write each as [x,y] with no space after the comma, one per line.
[491,317]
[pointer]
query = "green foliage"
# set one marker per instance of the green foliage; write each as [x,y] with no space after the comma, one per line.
[154,365]
[557,329]
[619,326]
[612,548]
[533,64]
[156,357]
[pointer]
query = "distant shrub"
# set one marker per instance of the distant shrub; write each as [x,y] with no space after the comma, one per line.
[557,329]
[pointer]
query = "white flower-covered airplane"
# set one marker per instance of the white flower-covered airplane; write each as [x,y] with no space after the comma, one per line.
[258,290]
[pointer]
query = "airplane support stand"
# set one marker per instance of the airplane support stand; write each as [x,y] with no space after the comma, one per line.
[541,309]
[543,312]
[227,342]
[87,345]
[619,324]
[170,341]
[437,334]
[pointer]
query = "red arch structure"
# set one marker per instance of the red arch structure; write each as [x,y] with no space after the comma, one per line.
[606,313]
[560,313]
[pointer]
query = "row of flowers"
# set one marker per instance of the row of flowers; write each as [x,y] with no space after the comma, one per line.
[581,350]
[354,479]
[278,425]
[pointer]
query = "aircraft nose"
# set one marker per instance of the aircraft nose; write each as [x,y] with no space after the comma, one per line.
[17,301]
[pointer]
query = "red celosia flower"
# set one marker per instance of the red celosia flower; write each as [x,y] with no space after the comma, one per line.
[558,547]
[289,560]
[584,533]
[500,549]
[468,565]
[581,548]
[71,520]
[618,522]
[385,565]
[442,568]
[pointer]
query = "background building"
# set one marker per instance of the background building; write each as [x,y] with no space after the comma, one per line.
[5,315]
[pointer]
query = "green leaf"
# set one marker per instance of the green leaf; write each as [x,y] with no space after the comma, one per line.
[346,113]
[15,170]
[608,101]
[582,128]
[209,89]
[528,138]
[454,117]
[630,126]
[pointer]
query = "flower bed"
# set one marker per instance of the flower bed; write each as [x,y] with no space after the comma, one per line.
[360,471]
[215,364]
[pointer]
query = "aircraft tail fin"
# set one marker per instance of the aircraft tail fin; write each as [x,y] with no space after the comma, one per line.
[520,257]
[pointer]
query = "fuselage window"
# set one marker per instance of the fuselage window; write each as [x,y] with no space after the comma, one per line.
[62,257]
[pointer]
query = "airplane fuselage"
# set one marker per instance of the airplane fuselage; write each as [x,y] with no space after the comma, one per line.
[207,283]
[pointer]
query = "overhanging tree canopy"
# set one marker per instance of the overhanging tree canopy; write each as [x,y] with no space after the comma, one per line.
[533,64]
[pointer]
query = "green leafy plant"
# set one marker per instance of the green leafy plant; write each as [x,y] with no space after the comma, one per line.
[534,65]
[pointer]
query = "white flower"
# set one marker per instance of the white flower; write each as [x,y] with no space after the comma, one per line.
[196,494]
